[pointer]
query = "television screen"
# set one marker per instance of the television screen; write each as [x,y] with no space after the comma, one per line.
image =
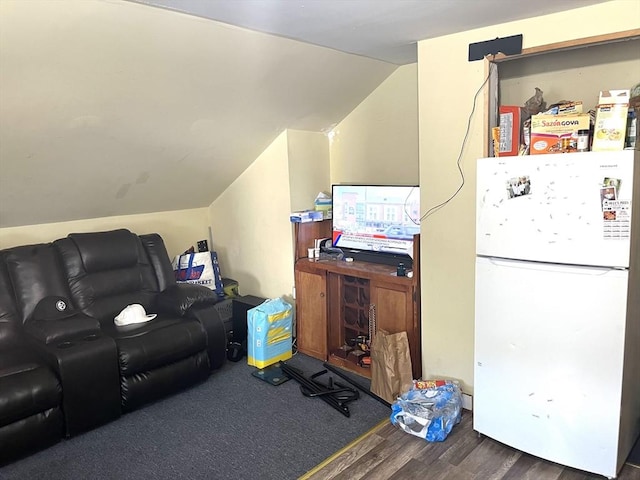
[376,218]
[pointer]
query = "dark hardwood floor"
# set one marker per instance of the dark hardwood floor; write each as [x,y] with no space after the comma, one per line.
[389,453]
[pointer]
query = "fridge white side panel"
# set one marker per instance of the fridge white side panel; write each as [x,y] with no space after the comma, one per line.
[571,208]
[549,346]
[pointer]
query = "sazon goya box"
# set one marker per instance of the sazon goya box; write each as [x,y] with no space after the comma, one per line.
[556,133]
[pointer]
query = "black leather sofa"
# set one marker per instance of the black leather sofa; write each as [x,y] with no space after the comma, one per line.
[30,392]
[66,370]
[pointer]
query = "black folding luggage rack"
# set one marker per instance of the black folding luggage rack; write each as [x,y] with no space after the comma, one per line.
[335,394]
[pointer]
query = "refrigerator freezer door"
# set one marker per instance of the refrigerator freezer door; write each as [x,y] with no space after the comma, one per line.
[549,344]
[566,208]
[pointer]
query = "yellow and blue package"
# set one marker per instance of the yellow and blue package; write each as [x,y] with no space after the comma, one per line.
[428,413]
[269,329]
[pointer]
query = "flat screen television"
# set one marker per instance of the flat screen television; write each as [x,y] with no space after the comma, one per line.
[376,223]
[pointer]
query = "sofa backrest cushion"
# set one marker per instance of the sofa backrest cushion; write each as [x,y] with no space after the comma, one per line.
[106,272]
[159,258]
[35,272]
[106,250]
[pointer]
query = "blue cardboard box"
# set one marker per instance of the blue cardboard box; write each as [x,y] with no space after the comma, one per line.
[269,328]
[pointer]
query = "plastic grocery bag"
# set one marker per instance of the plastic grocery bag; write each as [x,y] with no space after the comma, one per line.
[269,332]
[199,268]
[428,413]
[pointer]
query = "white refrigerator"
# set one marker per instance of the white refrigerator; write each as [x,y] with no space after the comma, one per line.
[557,306]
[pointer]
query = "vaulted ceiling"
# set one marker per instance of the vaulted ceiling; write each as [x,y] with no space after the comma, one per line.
[114,107]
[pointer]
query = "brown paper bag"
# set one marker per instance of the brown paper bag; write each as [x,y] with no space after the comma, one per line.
[390,365]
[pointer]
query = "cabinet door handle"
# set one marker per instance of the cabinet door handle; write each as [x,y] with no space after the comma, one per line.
[321,294]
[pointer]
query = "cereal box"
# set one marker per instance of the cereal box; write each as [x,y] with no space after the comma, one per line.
[510,131]
[611,120]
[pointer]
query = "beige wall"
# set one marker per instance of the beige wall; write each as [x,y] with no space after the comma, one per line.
[165,109]
[378,141]
[601,67]
[179,229]
[308,158]
[250,220]
[447,83]
[250,225]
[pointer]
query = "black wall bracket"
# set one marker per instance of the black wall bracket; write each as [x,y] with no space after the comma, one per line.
[508,45]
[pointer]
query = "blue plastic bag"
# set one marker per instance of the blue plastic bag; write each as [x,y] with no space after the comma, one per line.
[428,413]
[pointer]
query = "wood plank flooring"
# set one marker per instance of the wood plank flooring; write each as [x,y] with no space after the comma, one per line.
[389,453]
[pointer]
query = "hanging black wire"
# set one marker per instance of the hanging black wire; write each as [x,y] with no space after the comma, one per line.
[464,143]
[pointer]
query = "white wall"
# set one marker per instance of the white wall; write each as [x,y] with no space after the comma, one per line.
[179,229]
[378,141]
[447,83]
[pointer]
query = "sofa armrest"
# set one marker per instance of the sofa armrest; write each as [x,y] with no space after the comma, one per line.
[177,299]
[211,321]
[62,330]
[87,366]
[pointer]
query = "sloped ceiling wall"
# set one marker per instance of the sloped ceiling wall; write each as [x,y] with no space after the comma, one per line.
[112,108]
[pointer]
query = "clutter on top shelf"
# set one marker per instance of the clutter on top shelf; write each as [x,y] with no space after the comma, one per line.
[324,204]
[563,127]
[323,209]
[512,134]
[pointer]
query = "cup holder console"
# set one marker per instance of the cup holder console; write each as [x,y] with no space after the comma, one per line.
[89,338]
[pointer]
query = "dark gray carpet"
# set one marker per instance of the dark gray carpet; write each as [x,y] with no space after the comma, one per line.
[233,426]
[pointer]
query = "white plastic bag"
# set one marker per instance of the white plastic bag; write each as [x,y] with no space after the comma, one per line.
[199,268]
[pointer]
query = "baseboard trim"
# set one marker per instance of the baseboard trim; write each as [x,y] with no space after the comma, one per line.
[467,401]
[353,443]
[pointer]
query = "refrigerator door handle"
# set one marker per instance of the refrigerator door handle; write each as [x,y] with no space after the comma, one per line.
[528,265]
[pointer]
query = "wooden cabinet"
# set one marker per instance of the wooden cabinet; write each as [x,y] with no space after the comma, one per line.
[311,308]
[338,302]
[396,309]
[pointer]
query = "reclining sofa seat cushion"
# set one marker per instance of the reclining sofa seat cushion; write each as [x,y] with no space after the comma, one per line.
[185,300]
[107,271]
[30,393]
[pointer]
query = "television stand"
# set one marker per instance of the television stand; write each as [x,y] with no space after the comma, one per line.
[337,301]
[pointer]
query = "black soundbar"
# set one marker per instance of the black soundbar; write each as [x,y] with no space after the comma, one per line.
[382,258]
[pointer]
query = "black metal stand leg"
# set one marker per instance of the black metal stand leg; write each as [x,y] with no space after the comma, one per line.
[336,397]
[358,385]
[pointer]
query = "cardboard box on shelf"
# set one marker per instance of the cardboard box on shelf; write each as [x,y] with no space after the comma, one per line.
[570,108]
[556,133]
[306,216]
[510,130]
[327,213]
[611,120]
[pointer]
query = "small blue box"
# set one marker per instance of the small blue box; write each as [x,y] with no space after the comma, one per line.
[306,216]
